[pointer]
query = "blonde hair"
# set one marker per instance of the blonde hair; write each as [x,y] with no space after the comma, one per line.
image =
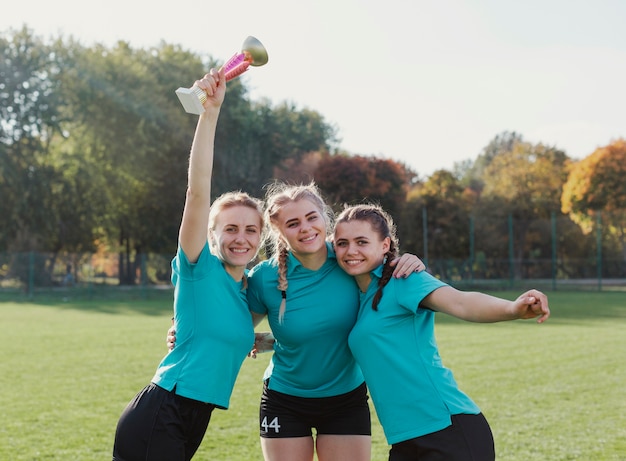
[278,195]
[383,225]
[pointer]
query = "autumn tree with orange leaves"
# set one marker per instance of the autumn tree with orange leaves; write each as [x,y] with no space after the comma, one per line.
[596,184]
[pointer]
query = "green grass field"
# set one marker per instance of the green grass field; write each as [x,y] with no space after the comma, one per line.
[551,392]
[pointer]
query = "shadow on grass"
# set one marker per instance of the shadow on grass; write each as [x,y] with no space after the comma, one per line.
[566,307]
[111,300]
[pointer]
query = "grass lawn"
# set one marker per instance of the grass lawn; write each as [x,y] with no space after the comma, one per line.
[551,392]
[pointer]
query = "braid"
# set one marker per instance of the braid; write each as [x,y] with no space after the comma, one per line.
[282,278]
[387,273]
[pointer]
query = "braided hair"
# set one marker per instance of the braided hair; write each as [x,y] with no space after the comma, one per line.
[382,223]
[278,195]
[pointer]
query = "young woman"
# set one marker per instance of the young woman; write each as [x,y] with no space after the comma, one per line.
[168,418]
[313,380]
[423,413]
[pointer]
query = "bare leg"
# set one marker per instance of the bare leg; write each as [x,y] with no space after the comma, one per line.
[288,449]
[344,447]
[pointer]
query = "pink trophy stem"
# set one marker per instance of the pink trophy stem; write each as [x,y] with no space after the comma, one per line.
[236,66]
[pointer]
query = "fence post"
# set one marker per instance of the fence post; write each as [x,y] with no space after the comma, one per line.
[553,219]
[425,232]
[599,248]
[144,277]
[511,258]
[91,278]
[31,274]
[471,242]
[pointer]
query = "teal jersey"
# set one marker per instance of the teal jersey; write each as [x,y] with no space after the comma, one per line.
[311,354]
[214,331]
[413,393]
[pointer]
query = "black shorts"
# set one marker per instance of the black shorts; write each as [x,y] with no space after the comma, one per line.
[284,415]
[160,425]
[468,438]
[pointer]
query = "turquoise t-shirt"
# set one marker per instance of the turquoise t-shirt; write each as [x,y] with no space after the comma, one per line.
[214,331]
[413,393]
[311,355]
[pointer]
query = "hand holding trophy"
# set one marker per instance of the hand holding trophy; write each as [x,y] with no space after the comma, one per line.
[253,53]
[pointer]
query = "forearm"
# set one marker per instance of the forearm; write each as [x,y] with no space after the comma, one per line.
[484,308]
[193,229]
[257,318]
[263,342]
[202,152]
[470,306]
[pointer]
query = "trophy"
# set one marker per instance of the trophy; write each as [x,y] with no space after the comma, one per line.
[253,53]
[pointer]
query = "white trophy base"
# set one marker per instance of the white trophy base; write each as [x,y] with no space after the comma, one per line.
[189,99]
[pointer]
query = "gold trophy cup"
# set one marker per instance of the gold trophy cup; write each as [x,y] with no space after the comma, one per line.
[253,53]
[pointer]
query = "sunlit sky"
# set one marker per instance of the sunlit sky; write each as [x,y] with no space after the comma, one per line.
[425,82]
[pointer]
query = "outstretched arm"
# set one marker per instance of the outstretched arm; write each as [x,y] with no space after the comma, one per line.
[484,308]
[193,228]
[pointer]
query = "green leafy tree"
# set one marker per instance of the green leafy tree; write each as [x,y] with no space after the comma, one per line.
[262,141]
[128,126]
[41,199]
[524,183]
[472,172]
[131,129]
[28,119]
[447,204]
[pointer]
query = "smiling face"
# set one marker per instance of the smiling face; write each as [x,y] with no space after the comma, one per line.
[359,249]
[303,227]
[236,237]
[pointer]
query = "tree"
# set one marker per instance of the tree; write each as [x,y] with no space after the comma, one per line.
[264,141]
[127,127]
[472,172]
[94,145]
[447,204]
[596,184]
[524,183]
[28,121]
[41,203]
[353,179]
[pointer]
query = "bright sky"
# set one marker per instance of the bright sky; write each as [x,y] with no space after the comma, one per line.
[425,82]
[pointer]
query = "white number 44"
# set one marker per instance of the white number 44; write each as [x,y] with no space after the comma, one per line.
[272,425]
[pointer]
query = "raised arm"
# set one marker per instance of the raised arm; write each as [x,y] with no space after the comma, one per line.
[483,308]
[193,228]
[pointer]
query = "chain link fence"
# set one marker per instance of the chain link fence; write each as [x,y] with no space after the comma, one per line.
[84,276]
[499,253]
